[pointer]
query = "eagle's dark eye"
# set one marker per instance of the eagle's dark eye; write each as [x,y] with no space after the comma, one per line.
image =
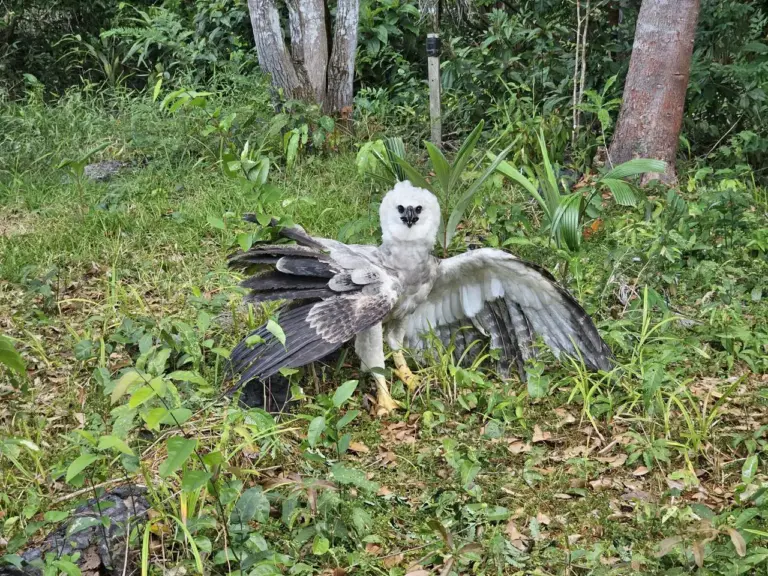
[400,209]
[418,209]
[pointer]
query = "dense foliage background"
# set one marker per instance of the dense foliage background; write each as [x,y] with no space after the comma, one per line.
[134,136]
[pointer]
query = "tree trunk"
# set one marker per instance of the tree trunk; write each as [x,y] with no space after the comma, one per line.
[308,72]
[341,68]
[309,43]
[654,94]
[272,52]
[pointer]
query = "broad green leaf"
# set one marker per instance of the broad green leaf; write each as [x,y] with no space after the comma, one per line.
[464,154]
[461,205]
[344,393]
[510,172]
[274,329]
[179,450]
[253,505]
[140,396]
[320,546]
[9,357]
[188,376]
[81,463]
[566,223]
[622,192]
[749,469]
[353,477]
[176,416]
[55,515]
[81,523]
[395,148]
[291,146]
[253,340]
[194,480]
[538,386]
[217,223]
[636,167]
[347,418]
[154,417]
[69,568]
[316,428]
[157,364]
[113,442]
[126,381]
[440,165]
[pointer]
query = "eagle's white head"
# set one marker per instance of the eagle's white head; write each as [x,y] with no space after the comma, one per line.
[409,214]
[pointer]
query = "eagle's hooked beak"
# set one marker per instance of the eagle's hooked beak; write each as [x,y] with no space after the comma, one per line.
[409,217]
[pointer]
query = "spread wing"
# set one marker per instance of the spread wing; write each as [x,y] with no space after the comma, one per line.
[335,291]
[497,295]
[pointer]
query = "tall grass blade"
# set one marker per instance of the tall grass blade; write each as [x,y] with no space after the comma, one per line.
[464,154]
[461,205]
[511,172]
[441,167]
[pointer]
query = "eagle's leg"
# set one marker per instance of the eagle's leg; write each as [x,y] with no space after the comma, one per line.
[369,346]
[403,372]
[384,399]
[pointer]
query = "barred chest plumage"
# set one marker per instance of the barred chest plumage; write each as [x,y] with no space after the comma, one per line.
[415,268]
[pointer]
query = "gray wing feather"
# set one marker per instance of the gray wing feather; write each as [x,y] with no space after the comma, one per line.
[508,301]
[334,296]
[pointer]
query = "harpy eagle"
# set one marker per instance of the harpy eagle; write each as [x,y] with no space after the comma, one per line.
[401,292]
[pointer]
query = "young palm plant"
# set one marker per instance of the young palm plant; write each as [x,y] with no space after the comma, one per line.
[564,212]
[451,190]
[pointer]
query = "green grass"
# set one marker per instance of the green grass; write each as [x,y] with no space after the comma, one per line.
[572,474]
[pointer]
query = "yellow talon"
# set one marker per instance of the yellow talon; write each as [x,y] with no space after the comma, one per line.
[386,404]
[403,372]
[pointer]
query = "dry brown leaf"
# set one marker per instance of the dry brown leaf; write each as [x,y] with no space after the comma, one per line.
[564,416]
[519,448]
[561,496]
[543,519]
[640,471]
[418,573]
[359,447]
[512,532]
[392,561]
[384,491]
[539,436]
[573,538]
[618,461]
[667,545]
[574,451]
[91,559]
[698,554]
[372,549]
[738,541]
[613,461]
[601,484]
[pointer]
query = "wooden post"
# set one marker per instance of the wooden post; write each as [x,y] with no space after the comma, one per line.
[433,61]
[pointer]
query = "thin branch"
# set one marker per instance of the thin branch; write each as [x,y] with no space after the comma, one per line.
[576,73]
